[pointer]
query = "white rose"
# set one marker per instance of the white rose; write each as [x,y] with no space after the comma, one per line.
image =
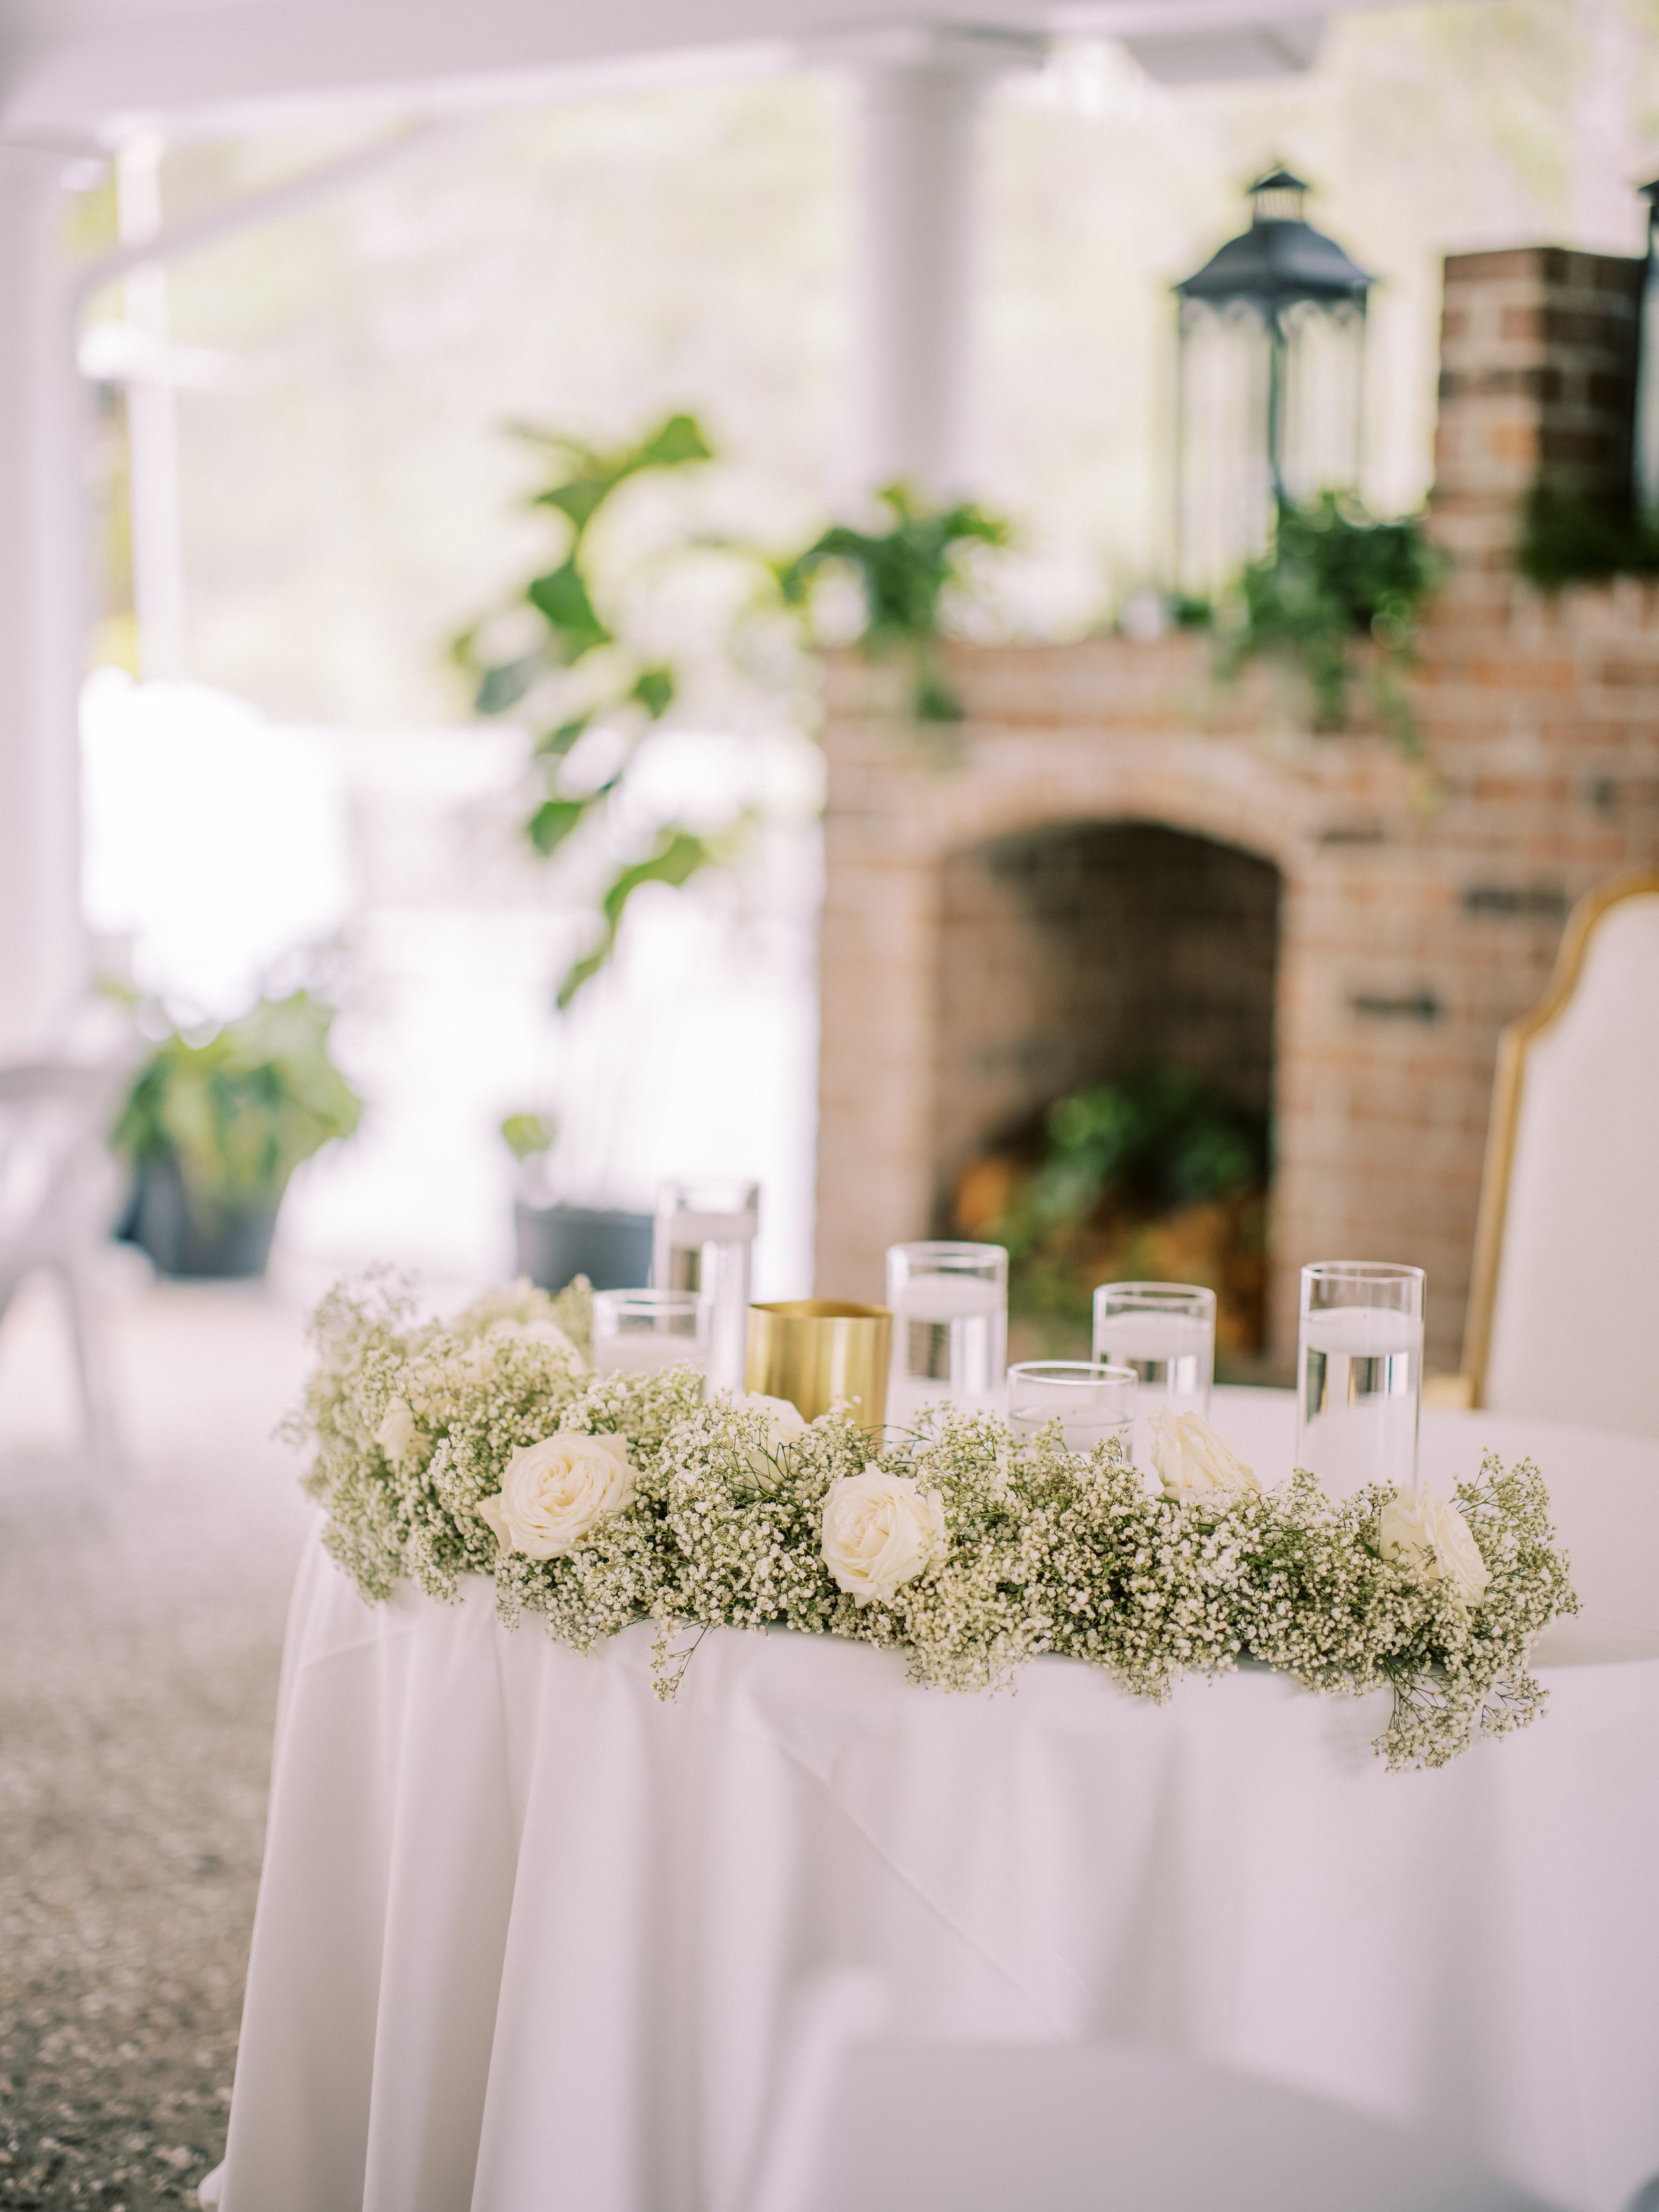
[881,1530]
[396,1430]
[1193,1463]
[783,1424]
[783,1420]
[554,1493]
[1431,1533]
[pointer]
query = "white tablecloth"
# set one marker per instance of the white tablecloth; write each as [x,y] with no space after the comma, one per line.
[527,1938]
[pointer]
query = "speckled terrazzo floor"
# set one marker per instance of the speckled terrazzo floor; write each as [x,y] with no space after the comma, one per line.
[139,1643]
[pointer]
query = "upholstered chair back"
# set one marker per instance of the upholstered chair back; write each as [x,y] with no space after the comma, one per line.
[1565,1314]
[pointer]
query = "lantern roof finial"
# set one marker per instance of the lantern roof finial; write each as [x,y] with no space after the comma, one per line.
[1280,258]
[1277,197]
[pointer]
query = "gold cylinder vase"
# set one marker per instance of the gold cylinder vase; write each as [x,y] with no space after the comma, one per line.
[816,1351]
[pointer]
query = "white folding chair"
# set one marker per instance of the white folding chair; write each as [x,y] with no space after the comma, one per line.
[1564,1308]
[1094,2127]
[58,1196]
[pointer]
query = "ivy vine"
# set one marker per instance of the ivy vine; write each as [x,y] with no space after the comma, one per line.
[904,573]
[1569,538]
[1334,576]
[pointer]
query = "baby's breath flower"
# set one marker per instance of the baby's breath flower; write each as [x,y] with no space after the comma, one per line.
[1031,1548]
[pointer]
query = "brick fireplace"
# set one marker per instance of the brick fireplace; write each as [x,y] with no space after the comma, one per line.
[1130,858]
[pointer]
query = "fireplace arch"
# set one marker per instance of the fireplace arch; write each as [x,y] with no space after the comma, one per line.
[1382,1023]
[1073,953]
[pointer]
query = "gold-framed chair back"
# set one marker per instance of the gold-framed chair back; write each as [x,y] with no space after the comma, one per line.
[1564,1305]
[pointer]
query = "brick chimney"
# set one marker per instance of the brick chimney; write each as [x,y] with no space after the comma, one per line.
[1538,353]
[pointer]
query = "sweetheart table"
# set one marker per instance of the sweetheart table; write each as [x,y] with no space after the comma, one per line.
[529,1940]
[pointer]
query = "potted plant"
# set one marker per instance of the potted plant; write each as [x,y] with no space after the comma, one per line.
[215,1125]
[557,1242]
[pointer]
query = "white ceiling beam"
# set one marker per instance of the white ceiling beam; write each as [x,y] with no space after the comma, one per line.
[104,69]
[290,198]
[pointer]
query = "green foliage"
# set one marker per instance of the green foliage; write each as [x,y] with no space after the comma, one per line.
[528,1135]
[628,697]
[1155,1176]
[904,573]
[679,856]
[581,669]
[553,821]
[238,1111]
[1187,612]
[1569,540]
[1158,1139]
[1334,574]
[560,597]
[587,477]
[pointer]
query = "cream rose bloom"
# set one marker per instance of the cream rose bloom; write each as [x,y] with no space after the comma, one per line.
[880,1531]
[1193,1463]
[553,1493]
[395,1434]
[1429,1533]
[783,1420]
[782,1427]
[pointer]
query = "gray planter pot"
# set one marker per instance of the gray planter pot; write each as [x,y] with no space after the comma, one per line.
[557,1242]
[196,1242]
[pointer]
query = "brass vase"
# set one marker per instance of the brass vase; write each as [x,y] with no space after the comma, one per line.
[814,1351]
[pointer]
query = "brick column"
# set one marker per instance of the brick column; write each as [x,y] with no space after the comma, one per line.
[1538,352]
[879,952]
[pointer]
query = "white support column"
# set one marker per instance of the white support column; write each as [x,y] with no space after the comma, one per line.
[913,388]
[44,967]
[153,488]
[43,947]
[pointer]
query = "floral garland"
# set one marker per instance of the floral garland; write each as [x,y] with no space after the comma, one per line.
[486,1445]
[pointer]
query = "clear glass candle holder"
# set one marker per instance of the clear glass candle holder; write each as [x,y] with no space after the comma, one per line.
[1359,1374]
[703,1242]
[1093,1402]
[950,1308]
[1166,1332]
[643,1332]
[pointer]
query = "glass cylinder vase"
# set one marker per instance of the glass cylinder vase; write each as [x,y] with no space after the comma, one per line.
[645,1332]
[1359,1374]
[949,1306]
[1166,1332]
[703,1243]
[1093,1402]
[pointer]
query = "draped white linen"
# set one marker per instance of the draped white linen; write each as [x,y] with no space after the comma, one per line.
[528,1937]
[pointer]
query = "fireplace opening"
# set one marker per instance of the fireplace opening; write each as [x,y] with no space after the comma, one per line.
[1106,1069]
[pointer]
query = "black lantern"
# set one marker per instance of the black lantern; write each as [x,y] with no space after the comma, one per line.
[1273,333]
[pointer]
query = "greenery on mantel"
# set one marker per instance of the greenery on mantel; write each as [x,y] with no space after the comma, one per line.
[1567,539]
[904,573]
[1334,577]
